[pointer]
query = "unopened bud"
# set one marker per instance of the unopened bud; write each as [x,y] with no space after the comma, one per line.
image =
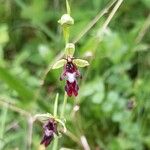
[66,20]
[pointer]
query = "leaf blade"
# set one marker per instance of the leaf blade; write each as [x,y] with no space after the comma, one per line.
[16,84]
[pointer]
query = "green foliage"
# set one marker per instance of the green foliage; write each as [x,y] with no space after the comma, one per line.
[16,85]
[118,74]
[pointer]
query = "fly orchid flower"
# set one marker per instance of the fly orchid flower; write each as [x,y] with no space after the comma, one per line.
[50,128]
[70,72]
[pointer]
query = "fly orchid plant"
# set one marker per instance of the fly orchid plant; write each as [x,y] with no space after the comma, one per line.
[70,73]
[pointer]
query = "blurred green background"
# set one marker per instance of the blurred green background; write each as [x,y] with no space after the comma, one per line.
[114,97]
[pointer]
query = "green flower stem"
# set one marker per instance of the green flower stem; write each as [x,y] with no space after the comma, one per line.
[64,106]
[66,31]
[119,2]
[55,144]
[67,7]
[56,105]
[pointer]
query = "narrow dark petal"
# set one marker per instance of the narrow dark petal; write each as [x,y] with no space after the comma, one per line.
[63,75]
[55,129]
[78,74]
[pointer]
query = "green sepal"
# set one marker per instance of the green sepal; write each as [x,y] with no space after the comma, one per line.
[59,64]
[81,62]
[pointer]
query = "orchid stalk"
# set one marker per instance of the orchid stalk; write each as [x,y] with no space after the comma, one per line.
[70,74]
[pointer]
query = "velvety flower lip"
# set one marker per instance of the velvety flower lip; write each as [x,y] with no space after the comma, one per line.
[72,88]
[70,74]
[50,128]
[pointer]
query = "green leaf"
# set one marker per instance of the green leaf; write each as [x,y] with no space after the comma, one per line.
[35,12]
[81,62]
[56,105]
[16,84]
[59,63]
[147,3]
[97,91]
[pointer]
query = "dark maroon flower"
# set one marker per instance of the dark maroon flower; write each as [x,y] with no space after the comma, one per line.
[50,128]
[70,73]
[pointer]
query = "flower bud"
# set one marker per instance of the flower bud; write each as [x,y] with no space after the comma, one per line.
[70,49]
[66,20]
